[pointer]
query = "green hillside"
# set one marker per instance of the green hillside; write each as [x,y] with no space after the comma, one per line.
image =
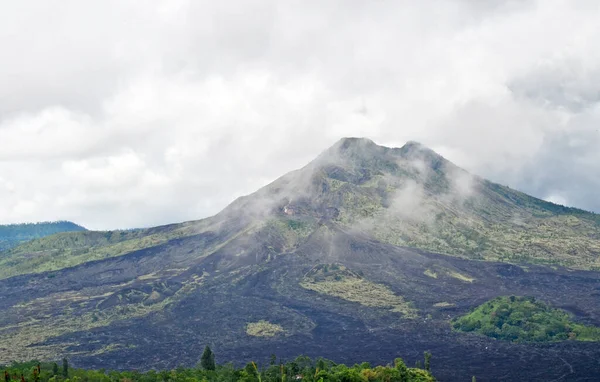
[414,197]
[68,249]
[12,235]
[522,319]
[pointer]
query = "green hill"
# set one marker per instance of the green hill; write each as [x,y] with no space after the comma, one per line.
[12,235]
[522,319]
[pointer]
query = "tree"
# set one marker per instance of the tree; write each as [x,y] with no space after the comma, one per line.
[427,361]
[402,369]
[208,359]
[55,369]
[321,364]
[65,370]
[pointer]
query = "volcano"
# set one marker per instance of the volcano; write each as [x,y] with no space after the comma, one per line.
[365,254]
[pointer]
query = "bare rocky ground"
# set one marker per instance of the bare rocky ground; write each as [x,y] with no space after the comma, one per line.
[233,290]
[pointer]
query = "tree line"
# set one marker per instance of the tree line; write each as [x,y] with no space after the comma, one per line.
[301,369]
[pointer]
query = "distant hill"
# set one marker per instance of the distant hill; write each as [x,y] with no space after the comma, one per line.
[12,235]
[365,253]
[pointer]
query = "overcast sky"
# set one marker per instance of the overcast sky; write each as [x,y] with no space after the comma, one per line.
[128,113]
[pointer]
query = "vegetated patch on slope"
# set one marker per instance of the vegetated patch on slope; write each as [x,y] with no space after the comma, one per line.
[488,225]
[12,235]
[292,231]
[79,311]
[263,328]
[337,280]
[435,272]
[69,249]
[523,319]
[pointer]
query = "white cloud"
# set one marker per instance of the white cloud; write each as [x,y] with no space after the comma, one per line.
[127,113]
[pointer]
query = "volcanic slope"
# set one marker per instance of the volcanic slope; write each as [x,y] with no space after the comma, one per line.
[315,263]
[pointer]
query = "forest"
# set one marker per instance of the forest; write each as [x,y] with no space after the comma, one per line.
[300,369]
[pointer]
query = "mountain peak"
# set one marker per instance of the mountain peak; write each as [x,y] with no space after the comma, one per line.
[360,145]
[364,149]
[414,145]
[354,146]
[413,150]
[348,142]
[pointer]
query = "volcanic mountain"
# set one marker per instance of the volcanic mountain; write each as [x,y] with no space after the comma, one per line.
[366,253]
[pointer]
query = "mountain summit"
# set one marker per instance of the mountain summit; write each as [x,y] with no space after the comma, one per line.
[365,251]
[407,196]
[412,196]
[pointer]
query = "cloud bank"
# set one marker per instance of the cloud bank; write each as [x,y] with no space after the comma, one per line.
[127,113]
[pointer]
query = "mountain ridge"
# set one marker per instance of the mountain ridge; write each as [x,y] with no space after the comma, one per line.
[409,196]
[365,253]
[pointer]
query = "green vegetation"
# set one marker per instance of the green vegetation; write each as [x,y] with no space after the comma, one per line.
[430,273]
[263,328]
[301,368]
[69,249]
[414,197]
[460,276]
[291,232]
[523,319]
[487,226]
[441,271]
[336,280]
[207,362]
[77,311]
[12,235]
[444,304]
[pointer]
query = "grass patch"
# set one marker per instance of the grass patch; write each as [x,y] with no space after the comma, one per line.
[336,280]
[263,328]
[430,273]
[460,276]
[440,272]
[443,304]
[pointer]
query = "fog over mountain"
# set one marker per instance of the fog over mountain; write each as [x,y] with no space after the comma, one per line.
[119,114]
